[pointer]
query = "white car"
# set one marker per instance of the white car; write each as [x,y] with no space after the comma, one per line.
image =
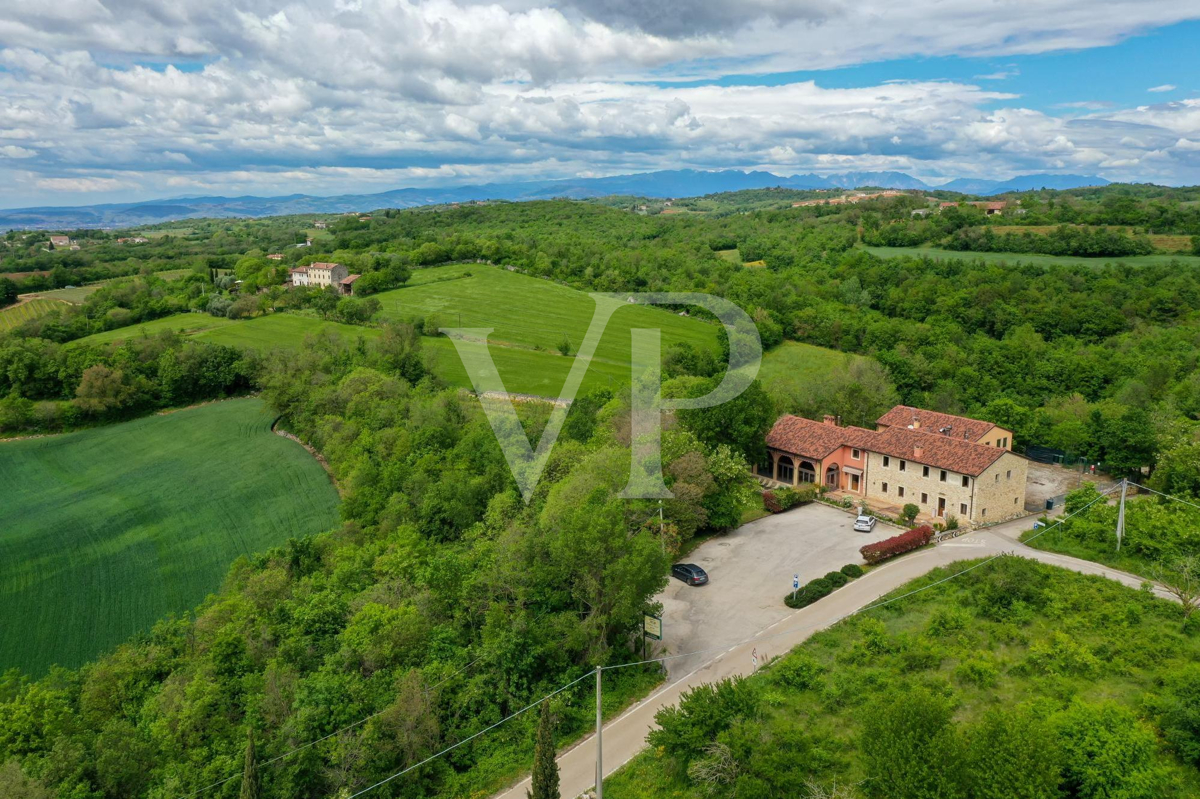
[864,524]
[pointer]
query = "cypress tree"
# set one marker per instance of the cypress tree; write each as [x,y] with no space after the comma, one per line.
[250,771]
[545,769]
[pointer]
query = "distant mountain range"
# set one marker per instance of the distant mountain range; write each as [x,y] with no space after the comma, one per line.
[669,183]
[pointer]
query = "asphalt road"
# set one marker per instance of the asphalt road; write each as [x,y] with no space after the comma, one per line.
[625,736]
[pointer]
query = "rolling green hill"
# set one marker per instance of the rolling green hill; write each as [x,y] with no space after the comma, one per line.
[108,530]
[530,317]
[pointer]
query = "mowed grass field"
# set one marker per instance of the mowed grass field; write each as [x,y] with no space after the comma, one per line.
[105,531]
[938,254]
[15,315]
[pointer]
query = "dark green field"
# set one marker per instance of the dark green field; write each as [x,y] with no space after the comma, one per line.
[106,531]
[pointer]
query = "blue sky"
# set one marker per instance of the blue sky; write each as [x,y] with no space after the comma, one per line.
[121,100]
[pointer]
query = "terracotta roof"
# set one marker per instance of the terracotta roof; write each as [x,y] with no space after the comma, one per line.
[322,265]
[810,439]
[299,269]
[348,279]
[935,422]
[936,450]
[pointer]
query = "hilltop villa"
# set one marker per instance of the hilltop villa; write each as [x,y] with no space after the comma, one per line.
[944,464]
[322,275]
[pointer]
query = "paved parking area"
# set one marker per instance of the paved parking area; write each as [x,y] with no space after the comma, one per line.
[750,570]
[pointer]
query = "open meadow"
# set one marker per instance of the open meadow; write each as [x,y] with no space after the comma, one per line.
[108,530]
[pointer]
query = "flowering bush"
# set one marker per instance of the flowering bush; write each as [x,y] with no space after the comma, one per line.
[897,545]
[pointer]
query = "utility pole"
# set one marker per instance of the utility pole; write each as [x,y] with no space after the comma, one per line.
[599,744]
[1121,513]
[662,537]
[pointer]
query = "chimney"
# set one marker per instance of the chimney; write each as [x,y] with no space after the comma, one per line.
[916,425]
[918,452]
[830,419]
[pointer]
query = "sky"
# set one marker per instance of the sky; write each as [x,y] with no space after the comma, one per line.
[128,100]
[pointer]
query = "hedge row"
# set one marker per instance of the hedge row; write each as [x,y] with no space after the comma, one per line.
[897,544]
[780,499]
[822,586]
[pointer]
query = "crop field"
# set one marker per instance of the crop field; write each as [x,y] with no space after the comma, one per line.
[938,254]
[15,315]
[108,530]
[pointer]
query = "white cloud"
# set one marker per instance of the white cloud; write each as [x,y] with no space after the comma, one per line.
[1166,87]
[81,184]
[284,95]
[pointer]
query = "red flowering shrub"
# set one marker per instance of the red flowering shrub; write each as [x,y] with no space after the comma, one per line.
[897,545]
[771,503]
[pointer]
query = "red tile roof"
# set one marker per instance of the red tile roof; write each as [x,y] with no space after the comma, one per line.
[348,279]
[808,439]
[935,422]
[936,450]
[299,269]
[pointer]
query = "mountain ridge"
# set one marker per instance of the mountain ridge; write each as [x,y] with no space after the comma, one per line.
[664,184]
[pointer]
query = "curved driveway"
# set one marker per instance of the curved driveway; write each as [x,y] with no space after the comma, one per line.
[783,629]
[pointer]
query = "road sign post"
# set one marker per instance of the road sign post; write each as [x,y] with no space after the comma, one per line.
[651,628]
[795,585]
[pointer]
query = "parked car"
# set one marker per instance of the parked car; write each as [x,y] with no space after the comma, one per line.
[864,524]
[690,573]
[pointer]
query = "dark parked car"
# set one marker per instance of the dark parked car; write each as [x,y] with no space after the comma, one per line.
[690,573]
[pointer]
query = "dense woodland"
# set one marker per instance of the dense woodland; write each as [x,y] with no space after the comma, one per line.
[443,603]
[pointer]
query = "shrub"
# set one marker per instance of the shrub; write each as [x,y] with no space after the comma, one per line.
[909,513]
[852,570]
[897,545]
[799,672]
[770,503]
[782,499]
[810,593]
[837,579]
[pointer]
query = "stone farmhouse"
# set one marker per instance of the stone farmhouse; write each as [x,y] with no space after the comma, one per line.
[944,464]
[322,274]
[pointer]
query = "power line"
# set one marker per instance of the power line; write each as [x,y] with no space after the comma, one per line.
[729,646]
[1168,496]
[663,659]
[476,735]
[335,733]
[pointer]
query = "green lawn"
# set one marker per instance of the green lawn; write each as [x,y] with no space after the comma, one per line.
[1041,260]
[108,530]
[16,315]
